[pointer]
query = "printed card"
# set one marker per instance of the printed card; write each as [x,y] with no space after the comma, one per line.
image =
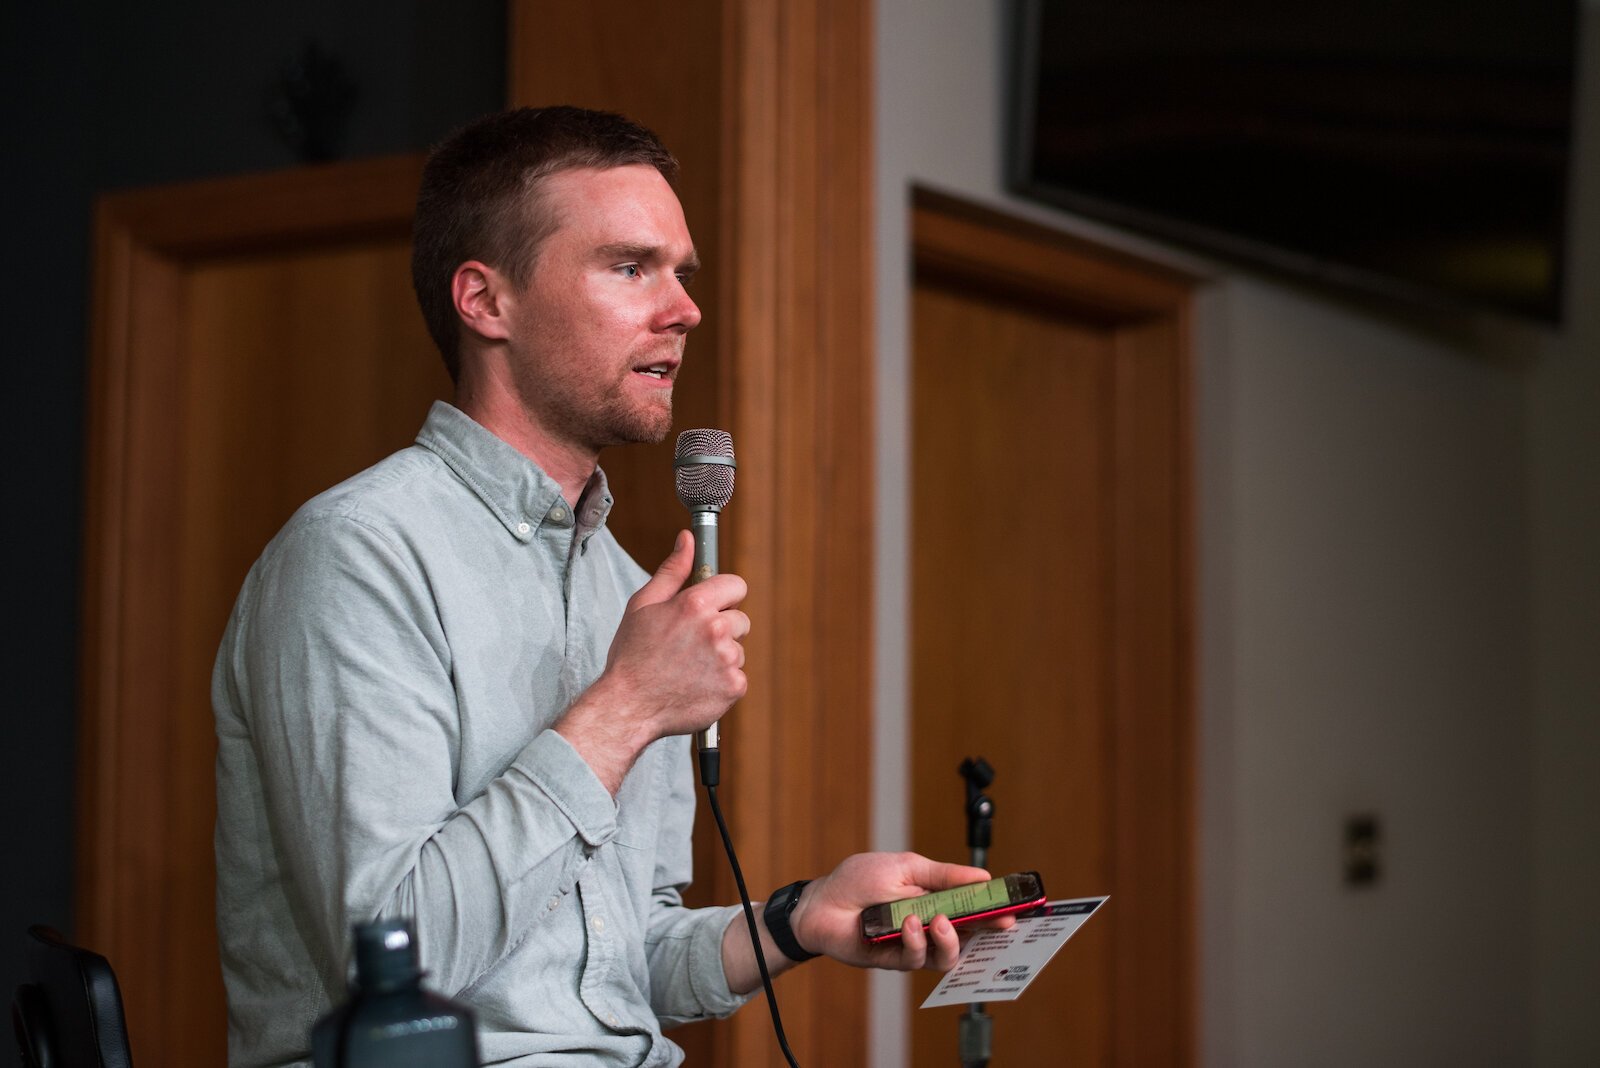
[999,965]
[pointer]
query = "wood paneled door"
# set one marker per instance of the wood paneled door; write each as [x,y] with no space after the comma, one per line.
[255,341]
[1049,615]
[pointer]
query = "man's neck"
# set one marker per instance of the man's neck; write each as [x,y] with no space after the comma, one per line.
[570,465]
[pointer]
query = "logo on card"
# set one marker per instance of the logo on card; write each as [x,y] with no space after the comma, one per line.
[1017,973]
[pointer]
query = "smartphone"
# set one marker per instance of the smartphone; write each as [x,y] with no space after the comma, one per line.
[962,904]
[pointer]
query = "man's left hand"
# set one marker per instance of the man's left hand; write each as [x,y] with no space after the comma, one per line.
[827,918]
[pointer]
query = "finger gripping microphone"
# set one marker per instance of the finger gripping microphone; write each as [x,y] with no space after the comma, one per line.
[703,467]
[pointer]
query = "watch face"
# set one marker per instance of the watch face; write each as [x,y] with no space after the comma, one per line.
[787,898]
[780,905]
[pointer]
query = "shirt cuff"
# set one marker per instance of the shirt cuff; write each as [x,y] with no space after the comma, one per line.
[572,786]
[706,973]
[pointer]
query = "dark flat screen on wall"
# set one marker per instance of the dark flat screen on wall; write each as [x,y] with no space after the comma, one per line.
[1418,148]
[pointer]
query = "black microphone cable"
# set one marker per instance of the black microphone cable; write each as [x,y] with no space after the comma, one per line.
[749,911]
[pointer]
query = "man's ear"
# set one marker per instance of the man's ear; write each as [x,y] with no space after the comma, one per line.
[483,299]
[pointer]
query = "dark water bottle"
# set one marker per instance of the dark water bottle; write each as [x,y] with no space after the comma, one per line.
[390,1021]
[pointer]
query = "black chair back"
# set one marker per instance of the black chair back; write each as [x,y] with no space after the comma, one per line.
[70,1015]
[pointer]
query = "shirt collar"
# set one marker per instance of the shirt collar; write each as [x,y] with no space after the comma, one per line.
[515,488]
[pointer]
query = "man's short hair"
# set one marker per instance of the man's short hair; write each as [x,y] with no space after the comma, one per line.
[480,197]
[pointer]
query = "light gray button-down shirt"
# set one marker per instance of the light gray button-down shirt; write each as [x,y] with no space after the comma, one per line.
[384,695]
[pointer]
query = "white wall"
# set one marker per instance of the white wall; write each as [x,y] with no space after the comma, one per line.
[1393,512]
[1364,611]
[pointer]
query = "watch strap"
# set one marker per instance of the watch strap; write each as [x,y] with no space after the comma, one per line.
[776,914]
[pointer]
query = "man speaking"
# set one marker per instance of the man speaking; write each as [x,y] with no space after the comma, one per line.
[445,691]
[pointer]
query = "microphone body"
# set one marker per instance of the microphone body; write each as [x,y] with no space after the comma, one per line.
[703,467]
[703,525]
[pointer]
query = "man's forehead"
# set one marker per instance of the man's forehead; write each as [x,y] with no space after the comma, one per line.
[634,187]
[632,205]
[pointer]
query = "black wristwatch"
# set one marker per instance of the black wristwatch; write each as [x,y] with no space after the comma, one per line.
[776,913]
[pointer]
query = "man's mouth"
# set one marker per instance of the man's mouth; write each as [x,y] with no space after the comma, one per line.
[659,371]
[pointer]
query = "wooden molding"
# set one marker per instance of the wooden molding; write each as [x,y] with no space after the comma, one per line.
[955,236]
[288,208]
[797,183]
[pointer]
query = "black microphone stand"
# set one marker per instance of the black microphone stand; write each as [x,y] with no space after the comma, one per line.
[977,1026]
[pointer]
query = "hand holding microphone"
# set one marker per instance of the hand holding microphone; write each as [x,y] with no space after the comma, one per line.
[676,664]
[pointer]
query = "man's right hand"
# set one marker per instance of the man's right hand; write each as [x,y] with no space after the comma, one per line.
[675,666]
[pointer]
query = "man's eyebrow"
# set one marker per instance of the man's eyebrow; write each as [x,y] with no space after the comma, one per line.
[648,253]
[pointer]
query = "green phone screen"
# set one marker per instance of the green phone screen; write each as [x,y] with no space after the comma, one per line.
[957,901]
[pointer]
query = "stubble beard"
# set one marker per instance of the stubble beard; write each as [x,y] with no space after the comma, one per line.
[643,427]
[611,419]
[592,415]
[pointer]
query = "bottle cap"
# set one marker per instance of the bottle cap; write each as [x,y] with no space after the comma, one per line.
[386,955]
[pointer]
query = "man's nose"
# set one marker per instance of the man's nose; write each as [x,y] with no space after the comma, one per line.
[681,313]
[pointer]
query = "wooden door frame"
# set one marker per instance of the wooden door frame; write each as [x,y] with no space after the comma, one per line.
[1146,310]
[768,104]
[131,876]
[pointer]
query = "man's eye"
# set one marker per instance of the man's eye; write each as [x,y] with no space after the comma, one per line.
[630,270]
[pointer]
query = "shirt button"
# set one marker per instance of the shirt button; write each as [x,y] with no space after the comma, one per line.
[598,923]
[558,513]
[523,528]
[612,1019]
[555,902]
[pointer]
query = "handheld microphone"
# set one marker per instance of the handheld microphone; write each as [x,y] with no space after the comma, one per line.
[703,468]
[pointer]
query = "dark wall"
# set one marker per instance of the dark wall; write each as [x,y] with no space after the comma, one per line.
[105,96]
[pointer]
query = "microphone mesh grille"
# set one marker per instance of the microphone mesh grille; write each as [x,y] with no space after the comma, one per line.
[703,485]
